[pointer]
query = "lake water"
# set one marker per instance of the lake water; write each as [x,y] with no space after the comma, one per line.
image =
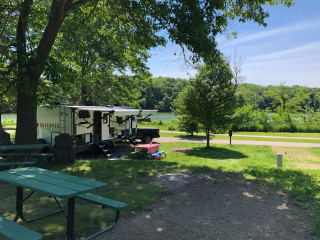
[164,116]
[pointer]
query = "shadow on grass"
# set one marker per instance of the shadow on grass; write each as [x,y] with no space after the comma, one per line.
[215,153]
[194,137]
[129,181]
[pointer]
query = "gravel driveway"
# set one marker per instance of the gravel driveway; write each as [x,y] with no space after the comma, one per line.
[212,206]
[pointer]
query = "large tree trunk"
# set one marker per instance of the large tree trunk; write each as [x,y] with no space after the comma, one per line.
[26,132]
[208,138]
[30,69]
[26,107]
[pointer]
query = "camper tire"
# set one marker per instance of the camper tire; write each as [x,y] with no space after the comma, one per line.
[147,138]
[42,141]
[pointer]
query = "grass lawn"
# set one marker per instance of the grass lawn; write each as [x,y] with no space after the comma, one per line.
[129,181]
[280,134]
[167,134]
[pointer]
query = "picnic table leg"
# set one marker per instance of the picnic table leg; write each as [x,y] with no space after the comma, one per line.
[19,203]
[70,219]
[27,156]
[19,207]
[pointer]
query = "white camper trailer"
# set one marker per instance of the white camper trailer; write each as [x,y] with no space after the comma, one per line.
[98,125]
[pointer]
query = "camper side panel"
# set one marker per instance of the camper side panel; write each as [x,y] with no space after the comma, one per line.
[51,124]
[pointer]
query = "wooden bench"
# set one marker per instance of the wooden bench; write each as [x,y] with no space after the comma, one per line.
[105,203]
[15,231]
[13,164]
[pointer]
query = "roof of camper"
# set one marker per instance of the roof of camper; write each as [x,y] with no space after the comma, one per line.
[118,111]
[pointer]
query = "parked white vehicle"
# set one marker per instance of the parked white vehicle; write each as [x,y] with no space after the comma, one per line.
[98,125]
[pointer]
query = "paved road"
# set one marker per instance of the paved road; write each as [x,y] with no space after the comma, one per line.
[244,142]
[243,135]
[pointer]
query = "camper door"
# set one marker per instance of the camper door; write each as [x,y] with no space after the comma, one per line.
[105,135]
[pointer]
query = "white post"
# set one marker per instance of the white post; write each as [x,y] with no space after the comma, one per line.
[279,159]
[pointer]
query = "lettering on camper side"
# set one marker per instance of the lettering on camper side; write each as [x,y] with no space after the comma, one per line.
[50,126]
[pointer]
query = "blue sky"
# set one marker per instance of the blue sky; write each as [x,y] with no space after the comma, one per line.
[287,50]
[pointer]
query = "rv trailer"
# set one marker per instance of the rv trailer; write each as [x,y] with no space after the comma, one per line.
[99,126]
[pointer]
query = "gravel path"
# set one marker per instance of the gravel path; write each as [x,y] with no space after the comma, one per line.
[213,206]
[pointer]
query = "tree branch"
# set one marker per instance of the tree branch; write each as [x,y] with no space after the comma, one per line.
[72,6]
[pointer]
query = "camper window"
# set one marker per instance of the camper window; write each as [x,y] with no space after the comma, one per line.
[105,118]
[84,114]
[119,120]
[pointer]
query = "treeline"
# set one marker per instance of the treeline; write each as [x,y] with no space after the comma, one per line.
[161,93]
[257,95]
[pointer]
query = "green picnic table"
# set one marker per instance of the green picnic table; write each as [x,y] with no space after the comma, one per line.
[26,148]
[54,184]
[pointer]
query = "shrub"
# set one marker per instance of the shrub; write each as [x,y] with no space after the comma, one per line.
[8,122]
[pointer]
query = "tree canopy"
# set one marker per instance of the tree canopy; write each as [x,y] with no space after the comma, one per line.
[65,41]
[210,98]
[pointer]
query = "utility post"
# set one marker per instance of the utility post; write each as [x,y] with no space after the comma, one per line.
[230,135]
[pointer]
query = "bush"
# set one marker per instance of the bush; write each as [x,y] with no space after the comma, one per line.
[8,122]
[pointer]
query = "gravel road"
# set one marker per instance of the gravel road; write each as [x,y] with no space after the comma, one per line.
[212,206]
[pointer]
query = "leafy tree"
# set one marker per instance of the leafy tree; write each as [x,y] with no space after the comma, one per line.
[187,123]
[281,95]
[33,31]
[210,97]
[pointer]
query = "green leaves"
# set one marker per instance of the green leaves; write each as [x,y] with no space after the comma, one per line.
[210,97]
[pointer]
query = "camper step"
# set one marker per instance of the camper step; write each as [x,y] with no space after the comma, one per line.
[105,150]
[133,141]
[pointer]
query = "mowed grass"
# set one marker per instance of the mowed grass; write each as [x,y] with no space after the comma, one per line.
[225,137]
[281,134]
[130,181]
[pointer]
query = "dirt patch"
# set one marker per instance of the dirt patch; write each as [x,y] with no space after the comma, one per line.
[298,158]
[175,181]
[216,206]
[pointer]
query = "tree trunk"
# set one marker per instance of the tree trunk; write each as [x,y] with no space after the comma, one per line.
[208,138]
[26,132]
[83,92]
[1,127]
[30,69]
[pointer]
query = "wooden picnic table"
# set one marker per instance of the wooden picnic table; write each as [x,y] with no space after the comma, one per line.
[26,149]
[147,148]
[54,184]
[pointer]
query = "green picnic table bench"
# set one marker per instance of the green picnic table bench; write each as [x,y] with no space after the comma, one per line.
[15,231]
[27,154]
[105,203]
[14,164]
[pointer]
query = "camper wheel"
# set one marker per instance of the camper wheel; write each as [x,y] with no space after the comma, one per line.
[42,141]
[147,138]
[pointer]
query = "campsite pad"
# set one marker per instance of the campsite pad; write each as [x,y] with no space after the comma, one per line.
[174,181]
[215,206]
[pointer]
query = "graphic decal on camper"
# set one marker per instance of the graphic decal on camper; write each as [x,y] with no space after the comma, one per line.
[51,127]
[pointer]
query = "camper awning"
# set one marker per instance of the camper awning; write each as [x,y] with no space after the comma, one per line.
[147,112]
[118,111]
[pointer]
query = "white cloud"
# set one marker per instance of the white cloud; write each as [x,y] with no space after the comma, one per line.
[268,33]
[309,49]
